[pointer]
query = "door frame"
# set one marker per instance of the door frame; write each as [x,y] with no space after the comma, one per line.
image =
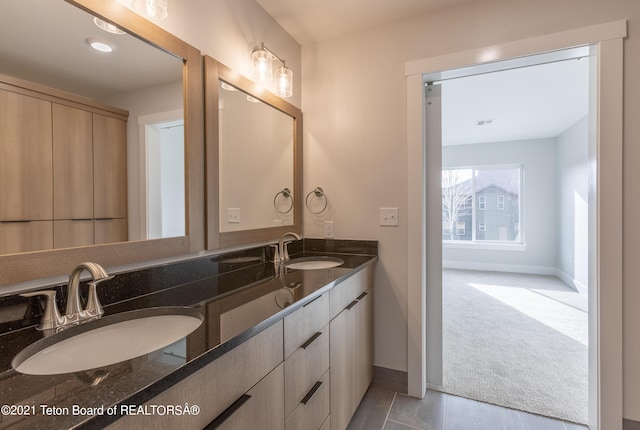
[424,295]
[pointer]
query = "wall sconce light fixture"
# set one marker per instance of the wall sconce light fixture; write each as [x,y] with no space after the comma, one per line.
[282,85]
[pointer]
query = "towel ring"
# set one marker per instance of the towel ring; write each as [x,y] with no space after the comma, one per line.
[319,192]
[286,193]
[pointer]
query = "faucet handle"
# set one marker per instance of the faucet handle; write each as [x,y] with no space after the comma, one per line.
[276,257]
[51,318]
[94,308]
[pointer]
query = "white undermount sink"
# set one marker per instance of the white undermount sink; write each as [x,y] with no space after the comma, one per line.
[107,340]
[314,263]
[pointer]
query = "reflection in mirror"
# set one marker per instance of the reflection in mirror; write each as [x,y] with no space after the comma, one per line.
[256,162]
[63,182]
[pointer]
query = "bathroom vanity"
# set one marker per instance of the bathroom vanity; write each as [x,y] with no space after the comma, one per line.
[278,348]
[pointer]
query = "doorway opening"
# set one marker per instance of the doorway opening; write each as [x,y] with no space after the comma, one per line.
[515,180]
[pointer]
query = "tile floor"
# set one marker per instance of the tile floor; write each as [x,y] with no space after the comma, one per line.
[385,409]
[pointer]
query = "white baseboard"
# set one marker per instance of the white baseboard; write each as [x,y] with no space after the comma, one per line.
[497,267]
[570,281]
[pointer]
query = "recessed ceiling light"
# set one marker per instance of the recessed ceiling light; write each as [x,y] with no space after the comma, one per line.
[99,45]
[228,87]
[485,121]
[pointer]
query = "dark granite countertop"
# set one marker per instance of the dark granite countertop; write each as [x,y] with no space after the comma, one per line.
[239,294]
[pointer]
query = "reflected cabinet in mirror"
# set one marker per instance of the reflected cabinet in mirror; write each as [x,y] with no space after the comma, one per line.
[255,151]
[93,152]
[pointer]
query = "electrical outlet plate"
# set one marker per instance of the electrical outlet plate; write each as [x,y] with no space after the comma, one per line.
[233,215]
[328,229]
[389,217]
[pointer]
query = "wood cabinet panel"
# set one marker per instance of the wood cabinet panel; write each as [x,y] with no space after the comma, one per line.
[25,158]
[264,409]
[72,233]
[28,236]
[110,231]
[349,289]
[109,167]
[72,163]
[304,323]
[342,366]
[364,344]
[312,414]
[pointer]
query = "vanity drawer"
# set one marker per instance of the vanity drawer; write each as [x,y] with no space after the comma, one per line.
[347,291]
[313,412]
[260,408]
[304,368]
[301,325]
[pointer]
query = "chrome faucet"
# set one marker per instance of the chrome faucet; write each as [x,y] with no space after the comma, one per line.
[52,320]
[282,245]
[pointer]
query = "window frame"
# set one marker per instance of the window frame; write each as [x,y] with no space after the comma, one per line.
[519,243]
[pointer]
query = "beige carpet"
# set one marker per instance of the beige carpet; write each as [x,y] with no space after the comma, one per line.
[516,340]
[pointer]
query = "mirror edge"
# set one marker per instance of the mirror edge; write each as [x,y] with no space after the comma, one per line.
[23,267]
[214,71]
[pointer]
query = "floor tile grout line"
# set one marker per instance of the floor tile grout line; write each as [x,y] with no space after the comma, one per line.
[386,418]
[405,425]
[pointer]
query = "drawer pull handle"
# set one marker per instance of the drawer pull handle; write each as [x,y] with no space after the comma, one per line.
[227,412]
[311,393]
[311,339]
[308,303]
[352,304]
[362,296]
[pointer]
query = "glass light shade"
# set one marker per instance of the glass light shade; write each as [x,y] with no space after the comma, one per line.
[263,65]
[154,9]
[107,26]
[284,81]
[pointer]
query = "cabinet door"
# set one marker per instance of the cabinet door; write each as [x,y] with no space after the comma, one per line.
[364,343]
[25,158]
[110,231]
[109,167]
[25,236]
[70,233]
[342,353]
[72,163]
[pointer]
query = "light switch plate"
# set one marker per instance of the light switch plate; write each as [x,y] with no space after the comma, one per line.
[328,229]
[233,215]
[389,217]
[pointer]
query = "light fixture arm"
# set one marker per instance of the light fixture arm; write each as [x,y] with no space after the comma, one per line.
[274,54]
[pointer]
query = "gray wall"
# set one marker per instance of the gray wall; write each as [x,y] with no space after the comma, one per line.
[572,186]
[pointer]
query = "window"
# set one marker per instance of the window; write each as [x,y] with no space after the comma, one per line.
[489,200]
[482,203]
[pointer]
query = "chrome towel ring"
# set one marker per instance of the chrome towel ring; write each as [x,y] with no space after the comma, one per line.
[319,193]
[286,194]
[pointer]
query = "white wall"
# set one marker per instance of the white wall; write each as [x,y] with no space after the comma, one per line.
[355,139]
[229,31]
[538,158]
[572,186]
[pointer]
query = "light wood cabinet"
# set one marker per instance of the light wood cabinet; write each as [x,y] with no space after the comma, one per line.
[306,366]
[60,161]
[109,167]
[25,158]
[72,163]
[351,346]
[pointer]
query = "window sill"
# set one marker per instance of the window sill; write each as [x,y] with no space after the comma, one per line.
[492,246]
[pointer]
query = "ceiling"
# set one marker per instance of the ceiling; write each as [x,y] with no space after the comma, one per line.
[311,21]
[524,103]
